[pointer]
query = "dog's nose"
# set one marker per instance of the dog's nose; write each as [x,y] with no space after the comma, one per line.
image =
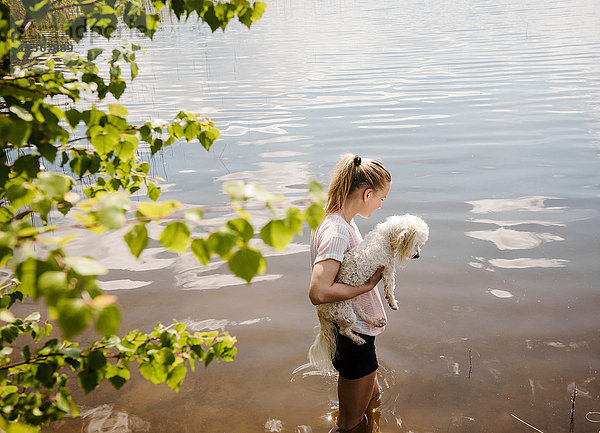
[416,256]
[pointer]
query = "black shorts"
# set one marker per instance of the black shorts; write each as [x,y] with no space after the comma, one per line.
[353,361]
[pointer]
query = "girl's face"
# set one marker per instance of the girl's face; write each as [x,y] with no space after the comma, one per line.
[372,199]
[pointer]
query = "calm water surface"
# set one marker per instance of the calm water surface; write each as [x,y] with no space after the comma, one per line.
[488,116]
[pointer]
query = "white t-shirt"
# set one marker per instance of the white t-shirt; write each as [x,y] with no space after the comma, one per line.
[331,240]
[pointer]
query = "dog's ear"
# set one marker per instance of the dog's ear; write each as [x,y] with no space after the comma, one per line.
[398,240]
[406,243]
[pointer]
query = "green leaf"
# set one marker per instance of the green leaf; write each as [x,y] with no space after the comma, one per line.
[21,112]
[63,402]
[111,210]
[117,87]
[20,194]
[44,373]
[42,206]
[201,250]
[137,239]
[126,148]
[314,215]
[33,316]
[134,70]
[153,192]
[251,15]
[73,317]
[242,228]
[26,352]
[9,333]
[104,139]
[108,320]
[117,109]
[246,263]
[158,210]
[71,352]
[194,215]
[175,237]
[221,242]
[89,379]
[236,190]
[316,192]
[277,234]
[16,427]
[294,219]
[28,165]
[258,192]
[208,137]
[176,376]
[93,53]
[85,266]
[52,281]
[117,375]
[175,130]
[53,184]
[96,360]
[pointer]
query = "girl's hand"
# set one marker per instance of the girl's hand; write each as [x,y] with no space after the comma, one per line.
[323,289]
[375,278]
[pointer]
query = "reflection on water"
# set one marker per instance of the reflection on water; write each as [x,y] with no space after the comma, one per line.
[122,284]
[506,239]
[529,204]
[215,324]
[273,425]
[105,419]
[520,263]
[500,293]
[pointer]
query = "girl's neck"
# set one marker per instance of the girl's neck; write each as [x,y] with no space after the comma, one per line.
[352,206]
[347,214]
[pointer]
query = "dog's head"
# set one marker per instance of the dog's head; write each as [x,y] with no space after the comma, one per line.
[407,233]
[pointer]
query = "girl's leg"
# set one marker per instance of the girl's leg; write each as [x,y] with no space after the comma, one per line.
[376,390]
[372,412]
[354,396]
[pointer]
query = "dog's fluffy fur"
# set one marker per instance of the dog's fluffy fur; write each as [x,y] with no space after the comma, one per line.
[396,239]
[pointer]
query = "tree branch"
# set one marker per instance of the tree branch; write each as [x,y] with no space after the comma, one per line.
[74,5]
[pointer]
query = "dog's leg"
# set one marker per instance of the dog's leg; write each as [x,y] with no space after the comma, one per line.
[389,285]
[362,315]
[342,314]
[345,323]
[347,331]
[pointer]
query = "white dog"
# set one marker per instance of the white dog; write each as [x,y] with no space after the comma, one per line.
[397,238]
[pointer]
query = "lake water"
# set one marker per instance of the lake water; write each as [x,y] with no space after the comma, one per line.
[486,113]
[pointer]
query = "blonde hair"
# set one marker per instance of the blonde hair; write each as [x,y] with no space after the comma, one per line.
[354,172]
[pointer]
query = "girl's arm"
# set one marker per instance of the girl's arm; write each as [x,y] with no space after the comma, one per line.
[323,289]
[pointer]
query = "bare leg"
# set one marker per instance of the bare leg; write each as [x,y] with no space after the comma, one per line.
[354,396]
[373,414]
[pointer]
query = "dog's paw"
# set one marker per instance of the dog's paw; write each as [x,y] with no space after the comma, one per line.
[380,323]
[393,304]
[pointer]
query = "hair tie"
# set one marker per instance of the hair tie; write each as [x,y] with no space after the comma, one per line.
[357,160]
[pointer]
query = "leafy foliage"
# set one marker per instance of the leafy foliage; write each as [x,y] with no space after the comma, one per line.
[99,150]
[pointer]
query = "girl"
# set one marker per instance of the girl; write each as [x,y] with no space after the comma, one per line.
[358,187]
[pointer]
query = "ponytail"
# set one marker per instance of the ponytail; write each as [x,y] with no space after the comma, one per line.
[354,172]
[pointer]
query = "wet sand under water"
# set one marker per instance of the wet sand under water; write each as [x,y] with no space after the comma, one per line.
[522,365]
